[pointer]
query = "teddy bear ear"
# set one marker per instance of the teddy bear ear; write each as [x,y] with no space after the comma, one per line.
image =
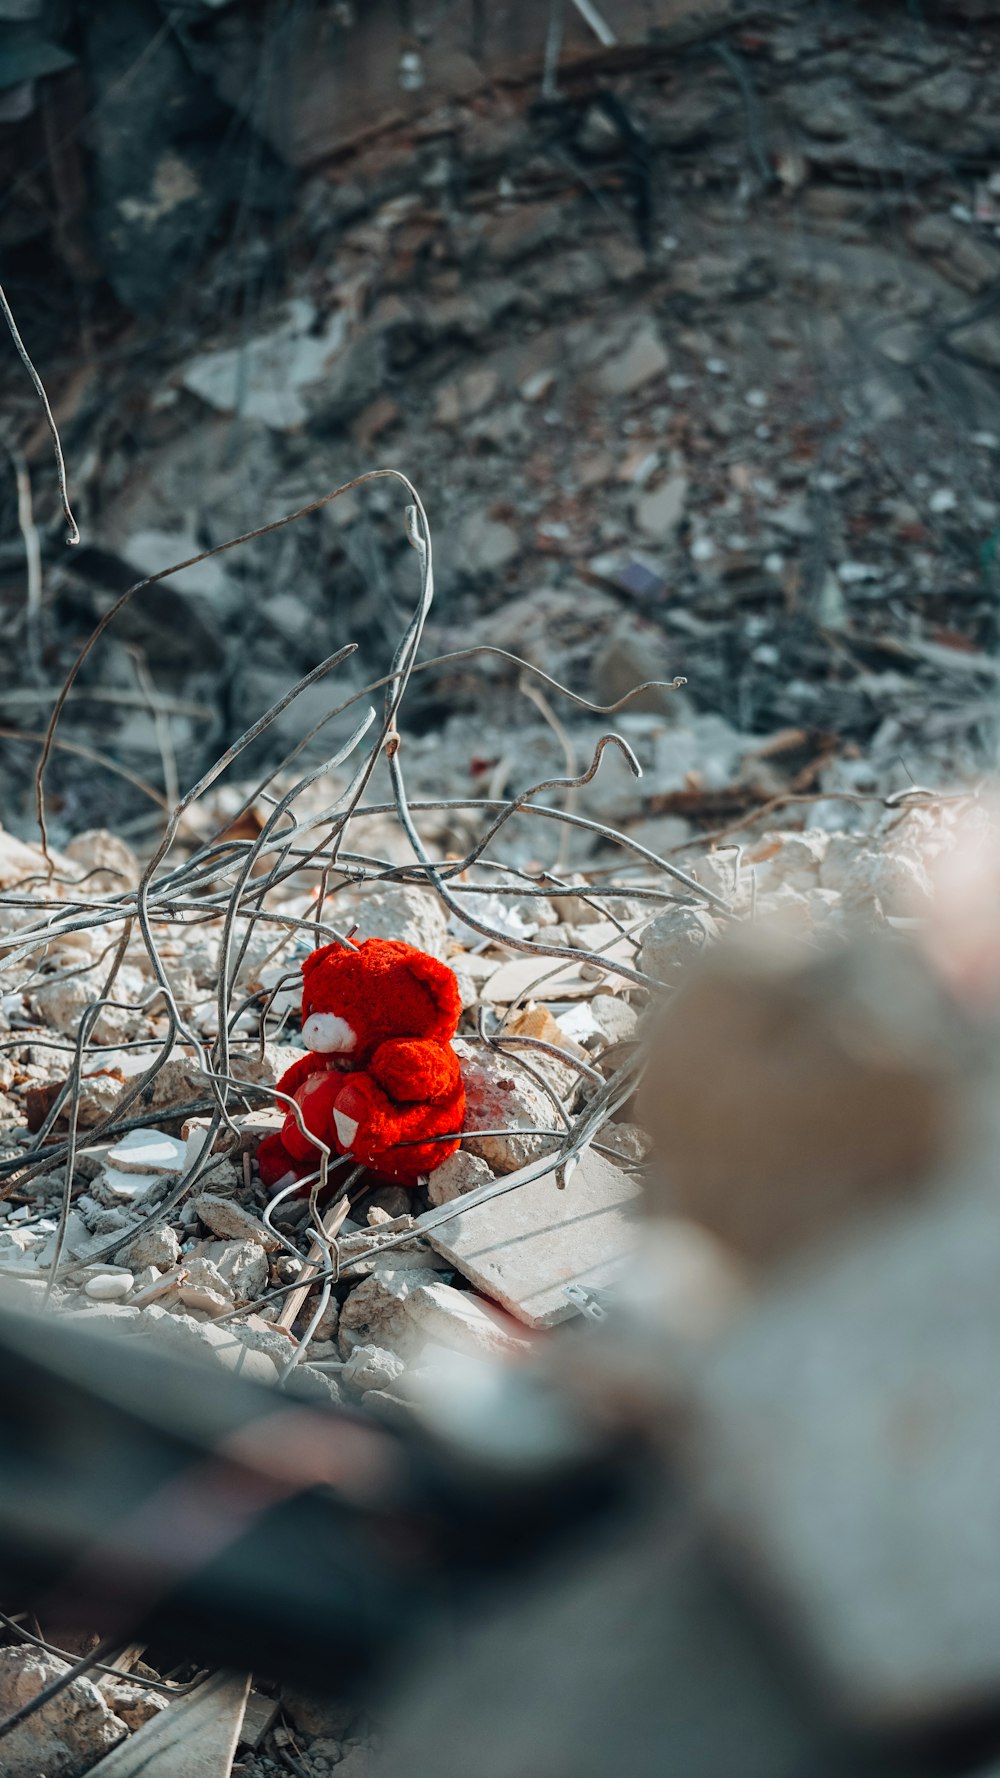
[440,983]
[315,958]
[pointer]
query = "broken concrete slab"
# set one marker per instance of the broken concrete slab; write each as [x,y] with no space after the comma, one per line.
[545,978]
[147,1151]
[459,1321]
[231,1222]
[524,1247]
[263,378]
[846,1442]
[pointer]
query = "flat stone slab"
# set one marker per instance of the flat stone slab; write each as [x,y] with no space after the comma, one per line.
[194,1738]
[148,1151]
[545,978]
[524,1247]
[846,1441]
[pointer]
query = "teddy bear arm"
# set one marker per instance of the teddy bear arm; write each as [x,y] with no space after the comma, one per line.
[299,1072]
[415,1068]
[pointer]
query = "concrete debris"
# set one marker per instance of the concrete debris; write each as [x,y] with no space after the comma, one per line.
[501,1098]
[265,379]
[105,863]
[376,1312]
[545,978]
[64,1738]
[372,1367]
[157,1246]
[462,1322]
[108,1287]
[408,914]
[460,1173]
[241,1265]
[524,1248]
[231,1222]
[115,1188]
[723,459]
[147,1151]
[673,940]
[201,1340]
[642,360]
[133,1703]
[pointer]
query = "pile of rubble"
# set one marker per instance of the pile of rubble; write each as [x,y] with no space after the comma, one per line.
[148,1011]
[698,365]
[142,1216]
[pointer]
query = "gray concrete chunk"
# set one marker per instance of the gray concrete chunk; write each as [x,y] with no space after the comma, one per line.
[523,1248]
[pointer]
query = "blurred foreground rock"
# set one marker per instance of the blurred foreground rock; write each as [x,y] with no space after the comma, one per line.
[65,1738]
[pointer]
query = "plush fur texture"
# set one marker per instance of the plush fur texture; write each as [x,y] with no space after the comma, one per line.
[389,1080]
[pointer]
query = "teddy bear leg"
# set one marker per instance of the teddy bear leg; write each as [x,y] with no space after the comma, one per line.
[357,1108]
[274,1163]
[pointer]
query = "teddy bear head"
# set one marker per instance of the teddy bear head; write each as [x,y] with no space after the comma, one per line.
[355,996]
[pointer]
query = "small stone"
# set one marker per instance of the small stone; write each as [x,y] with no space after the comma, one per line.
[144,1279]
[538,386]
[200,1271]
[132,1702]
[792,859]
[376,1312]
[642,360]
[264,377]
[241,1266]
[615,1019]
[203,1300]
[463,399]
[109,1287]
[157,1246]
[460,1173]
[390,1201]
[20,1248]
[319,1713]
[103,1317]
[876,883]
[108,863]
[659,511]
[61,1003]
[484,545]
[372,1367]
[231,1222]
[413,915]
[630,1143]
[674,939]
[310,1383]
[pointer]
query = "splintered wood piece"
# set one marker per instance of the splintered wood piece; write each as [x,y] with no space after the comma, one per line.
[196,1737]
[317,1259]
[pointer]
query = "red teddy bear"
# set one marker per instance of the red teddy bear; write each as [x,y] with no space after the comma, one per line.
[382,1077]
